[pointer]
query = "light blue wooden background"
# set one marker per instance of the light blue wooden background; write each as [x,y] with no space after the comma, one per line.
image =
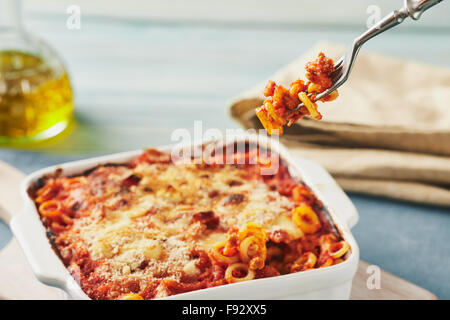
[138,80]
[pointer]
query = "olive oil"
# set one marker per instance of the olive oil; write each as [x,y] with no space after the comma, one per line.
[35,98]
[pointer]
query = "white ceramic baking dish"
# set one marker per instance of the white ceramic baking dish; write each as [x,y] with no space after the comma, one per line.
[325,283]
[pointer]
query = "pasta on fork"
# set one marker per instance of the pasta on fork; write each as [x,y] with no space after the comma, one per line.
[281,104]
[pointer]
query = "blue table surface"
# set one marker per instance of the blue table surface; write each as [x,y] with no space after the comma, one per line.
[131,79]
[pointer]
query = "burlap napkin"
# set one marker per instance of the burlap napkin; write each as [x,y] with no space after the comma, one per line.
[388,133]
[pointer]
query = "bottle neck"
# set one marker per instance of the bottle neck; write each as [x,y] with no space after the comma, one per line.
[10,14]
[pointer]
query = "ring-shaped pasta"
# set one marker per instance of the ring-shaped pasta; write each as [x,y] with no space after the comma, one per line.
[326,240]
[252,247]
[216,254]
[296,86]
[327,263]
[306,219]
[338,249]
[332,96]
[311,106]
[252,229]
[268,123]
[306,262]
[131,296]
[314,87]
[270,108]
[74,182]
[44,194]
[66,219]
[41,191]
[299,193]
[257,263]
[50,208]
[230,277]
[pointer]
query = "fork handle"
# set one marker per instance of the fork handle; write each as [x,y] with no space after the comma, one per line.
[415,8]
[411,8]
[391,20]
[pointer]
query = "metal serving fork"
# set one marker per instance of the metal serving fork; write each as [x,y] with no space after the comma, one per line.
[411,8]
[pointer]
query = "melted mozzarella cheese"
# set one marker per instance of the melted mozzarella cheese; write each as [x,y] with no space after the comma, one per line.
[148,231]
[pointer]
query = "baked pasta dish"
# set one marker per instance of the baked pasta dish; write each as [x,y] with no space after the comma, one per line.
[281,104]
[153,227]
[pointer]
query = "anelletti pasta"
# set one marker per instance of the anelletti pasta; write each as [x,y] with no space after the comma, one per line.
[281,104]
[153,227]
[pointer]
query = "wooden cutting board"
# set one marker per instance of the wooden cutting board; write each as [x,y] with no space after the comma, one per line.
[18,282]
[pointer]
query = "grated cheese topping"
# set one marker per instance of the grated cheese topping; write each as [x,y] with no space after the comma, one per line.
[147,231]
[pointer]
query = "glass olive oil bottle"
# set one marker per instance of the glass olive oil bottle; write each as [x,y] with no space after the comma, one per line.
[36,99]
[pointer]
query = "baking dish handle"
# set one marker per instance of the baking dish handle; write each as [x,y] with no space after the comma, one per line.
[323,184]
[44,263]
